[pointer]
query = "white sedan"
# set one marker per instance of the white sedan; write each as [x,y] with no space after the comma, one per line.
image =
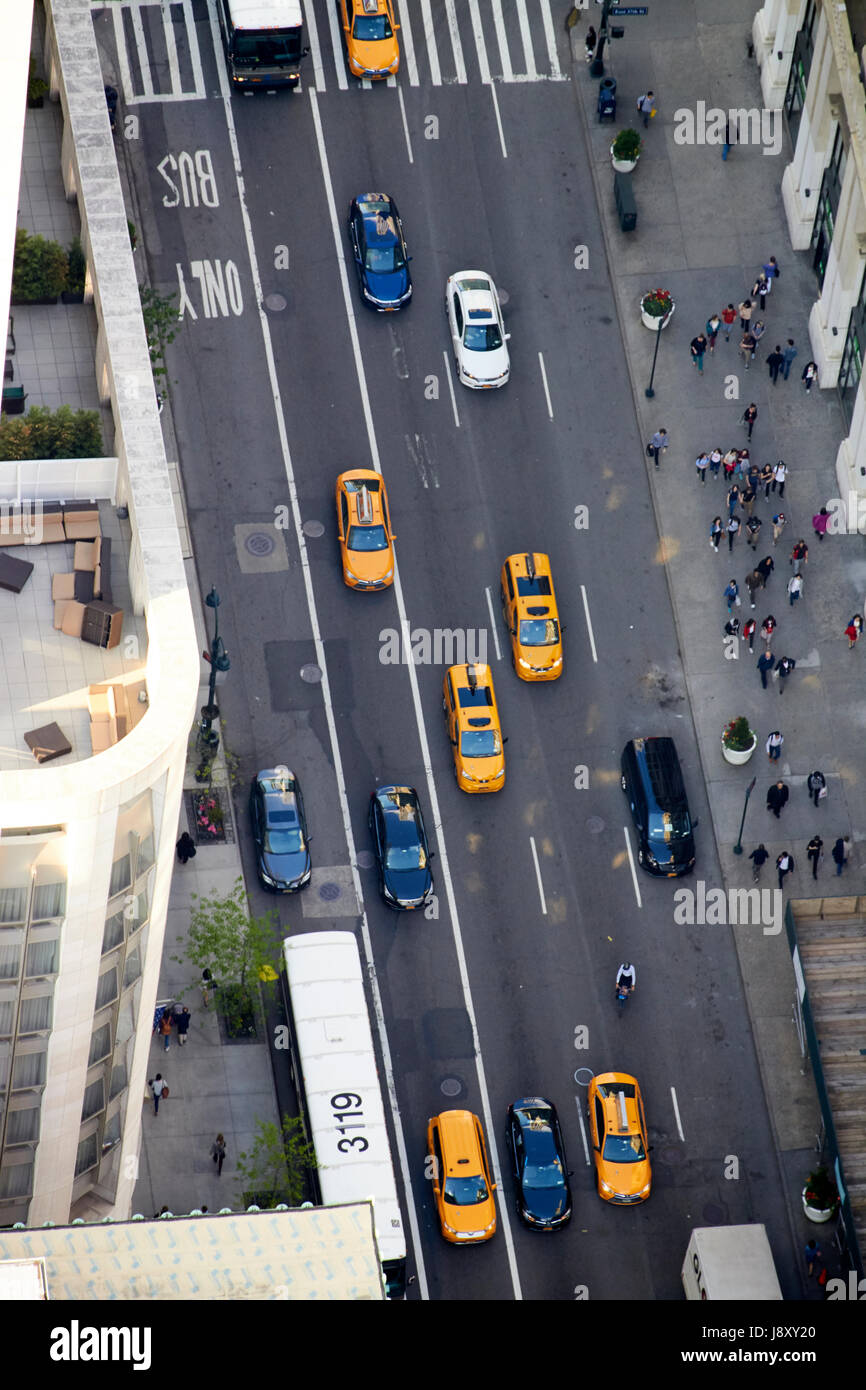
[477,330]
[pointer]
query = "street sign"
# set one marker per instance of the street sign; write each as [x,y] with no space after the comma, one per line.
[632,9]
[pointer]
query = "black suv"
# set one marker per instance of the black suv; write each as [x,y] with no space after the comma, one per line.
[653,782]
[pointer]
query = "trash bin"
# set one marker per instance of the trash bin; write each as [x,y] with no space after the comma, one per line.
[625,203]
[607,99]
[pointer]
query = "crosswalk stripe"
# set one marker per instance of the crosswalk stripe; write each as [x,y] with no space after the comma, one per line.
[315,46]
[504,55]
[120,46]
[407,44]
[194,50]
[479,41]
[550,36]
[523,21]
[430,40]
[171,49]
[455,40]
[138,31]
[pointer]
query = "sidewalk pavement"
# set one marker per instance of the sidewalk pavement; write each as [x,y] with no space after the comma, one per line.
[704,228]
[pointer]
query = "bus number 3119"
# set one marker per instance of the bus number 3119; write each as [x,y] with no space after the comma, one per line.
[341,1105]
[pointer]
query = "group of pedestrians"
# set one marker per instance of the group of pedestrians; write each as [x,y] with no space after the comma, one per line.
[752,330]
[814,853]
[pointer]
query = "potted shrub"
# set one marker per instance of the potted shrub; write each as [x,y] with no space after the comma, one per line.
[74,292]
[40,269]
[656,308]
[820,1198]
[738,741]
[625,151]
[37,87]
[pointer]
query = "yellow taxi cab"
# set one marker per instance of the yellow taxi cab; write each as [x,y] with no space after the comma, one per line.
[364,529]
[530,614]
[461,1177]
[473,728]
[371,37]
[618,1135]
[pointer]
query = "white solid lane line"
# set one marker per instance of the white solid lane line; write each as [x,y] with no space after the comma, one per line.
[544,384]
[578,1102]
[633,869]
[493,628]
[279,415]
[589,623]
[405,124]
[538,874]
[498,120]
[677,1114]
[315,46]
[448,378]
[435,810]
[337,47]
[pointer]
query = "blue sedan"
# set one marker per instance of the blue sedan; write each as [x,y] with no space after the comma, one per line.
[379,249]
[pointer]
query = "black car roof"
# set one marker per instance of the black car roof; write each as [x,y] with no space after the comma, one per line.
[659,769]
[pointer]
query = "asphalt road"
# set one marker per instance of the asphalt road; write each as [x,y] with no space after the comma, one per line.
[534,985]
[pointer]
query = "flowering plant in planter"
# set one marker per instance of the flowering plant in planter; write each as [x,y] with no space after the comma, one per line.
[626,146]
[737,735]
[208,814]
[657,303]
[820,1191]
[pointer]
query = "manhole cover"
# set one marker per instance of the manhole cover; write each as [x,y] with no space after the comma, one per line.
[365,859]
[260,543]
[329,891]
[311,673]
[313,528]
[451,1086]
[276,302]
[595,825]
[504,296]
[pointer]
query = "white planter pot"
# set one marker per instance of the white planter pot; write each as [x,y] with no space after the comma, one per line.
[733,755]
[654,324]
[813,1214]
[623,166]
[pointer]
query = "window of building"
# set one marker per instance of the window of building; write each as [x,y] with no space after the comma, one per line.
[118,1080]
[132,971]
[7,1017]
[10,958]
[145,855]
[113,934]
[42,958]
[94,1099]
[35,1014]
[121,875]
[87,1155]
[16,1180]
[106,989]
[100,1044]
[13,904]
[22,1126]
[49,900]
[111,1133]
[125,1020]
[28,1069]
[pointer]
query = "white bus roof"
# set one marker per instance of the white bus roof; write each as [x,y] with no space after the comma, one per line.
[265,14]
[335,1048]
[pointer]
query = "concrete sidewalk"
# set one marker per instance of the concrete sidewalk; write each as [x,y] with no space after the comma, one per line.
[705,227]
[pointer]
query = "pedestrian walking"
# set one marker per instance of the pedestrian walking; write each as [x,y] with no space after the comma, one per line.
[754,582]
[768,627]
[747,497]
[775,362]
[208,986]
[716,531]
[160,1090]
[767,480]
[817,786]
[715,461]
[730,137]
[853,630]
[750,415]
[731,595]
[761,289]
[733,530]
[701,463]
[185,847]
[748,634]
[759,858]
[183,1020]
[777,798]
[766,567]
[744,463]
[780,473]
[165,1029]
[783,668]
[646,107]
[810,372]
[732,627]
[745,312]
[218,1152]
[784,866]
[758,330]
[799,555]
[771,269]
[748,343]
[658,445]
[774,745]
[820,522]
[765,663]
[814,1258]
[840,853]
[729,313]
[729,463]
[795,588]
[815,853]
[733,498]
[698,347]
[590,42]
[753,529]
[789,352]
[711,329]
[780,521]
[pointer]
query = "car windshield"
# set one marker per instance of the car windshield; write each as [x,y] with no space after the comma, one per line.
[406,857]
[482,337]
[382,260]
[465,1192]
[480,743]
[544,1175]
[670,825]
[538,632]
[367,538]
[369,27]
[624,1148]
[283,841]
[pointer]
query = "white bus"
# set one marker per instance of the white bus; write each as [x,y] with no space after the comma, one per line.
[335,1075]
[263,42]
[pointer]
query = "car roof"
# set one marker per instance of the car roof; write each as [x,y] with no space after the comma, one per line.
[534,597]
[616,1082]
[378,212]
[659,769]
[458,1135]
[402,812]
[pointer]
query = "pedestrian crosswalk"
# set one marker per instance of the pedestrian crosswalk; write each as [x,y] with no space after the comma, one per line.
[442,42]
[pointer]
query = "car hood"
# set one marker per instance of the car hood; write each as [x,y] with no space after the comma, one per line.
[408,884]
[286,868]
[485,769]
[486,366]
[626,1179]
[375,54]
[388,286]
[547,1203]
[675,854]
[369,565]
[473,1218]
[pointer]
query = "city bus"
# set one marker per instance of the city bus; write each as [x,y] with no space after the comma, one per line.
[263,42]
[334,1072]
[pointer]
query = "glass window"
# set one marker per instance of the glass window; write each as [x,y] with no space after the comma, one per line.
[111,1132]
[23,1126]
[145,854]
[125,1020]
[10,961]
[100,1044]
[118,1080]
[113,934]
[86,1157]
[49,900]
[28,1070]
[7,1017]
[16,1180]
[35,1015]
[42,958]
[13,904]
[94,1099]
[106,990]
[132,971]
[121,875]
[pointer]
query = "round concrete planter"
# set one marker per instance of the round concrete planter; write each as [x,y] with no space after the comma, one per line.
[623,166]
[735,756]
[815,1213]
[654,324]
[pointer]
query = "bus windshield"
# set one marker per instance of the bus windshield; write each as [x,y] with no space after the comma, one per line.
[274,48]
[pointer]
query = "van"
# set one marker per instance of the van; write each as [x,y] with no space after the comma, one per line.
[653,782]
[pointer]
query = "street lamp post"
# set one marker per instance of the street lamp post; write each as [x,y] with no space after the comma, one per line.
[649,392]
[738,847]
[597,65]
[219,661]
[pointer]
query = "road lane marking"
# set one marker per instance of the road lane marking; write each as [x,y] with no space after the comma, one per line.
[455,40]
[589,623]
[526,39]
[547,21]
[677,1114]
[544,384]
[407,44]
[405,125]
[493,627]
[315,46]
[579,1106]
[504,55]
[451,389]
[430,40]
[538,874]
[436,812]
[633,870]
[480,50]
[337,47]
[498,120]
